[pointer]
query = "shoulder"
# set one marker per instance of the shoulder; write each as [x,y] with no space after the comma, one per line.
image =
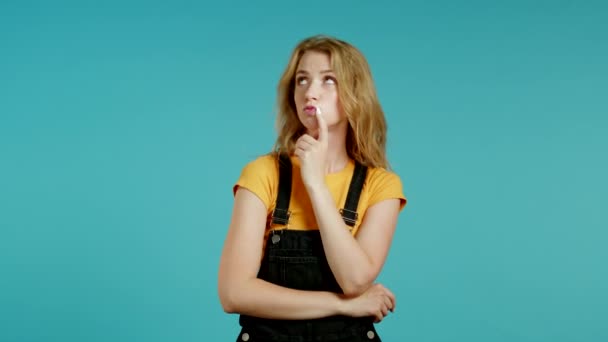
[384,184]
[378,176]
[266,163]
[260,176]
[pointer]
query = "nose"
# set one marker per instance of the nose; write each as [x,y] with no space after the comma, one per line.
[313,91]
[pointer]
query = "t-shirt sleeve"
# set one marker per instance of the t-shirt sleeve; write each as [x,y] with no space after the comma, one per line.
[385,185]
[259,176]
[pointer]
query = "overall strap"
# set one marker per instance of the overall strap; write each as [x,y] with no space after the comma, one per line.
[349,212]
[281,213]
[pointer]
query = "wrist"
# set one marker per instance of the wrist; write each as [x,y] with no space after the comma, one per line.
[314,188]
[341,305]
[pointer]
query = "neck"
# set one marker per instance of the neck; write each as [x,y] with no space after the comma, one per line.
[337,157]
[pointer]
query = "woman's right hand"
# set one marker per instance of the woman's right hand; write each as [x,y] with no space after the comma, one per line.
[376,301]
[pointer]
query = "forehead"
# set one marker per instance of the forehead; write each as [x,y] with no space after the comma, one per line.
[314,61]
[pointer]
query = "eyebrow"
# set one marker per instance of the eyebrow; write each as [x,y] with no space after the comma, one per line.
[328,71]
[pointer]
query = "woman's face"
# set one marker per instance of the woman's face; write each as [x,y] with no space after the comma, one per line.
[315,86]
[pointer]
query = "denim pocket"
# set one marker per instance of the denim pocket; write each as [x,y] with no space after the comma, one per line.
[302,272]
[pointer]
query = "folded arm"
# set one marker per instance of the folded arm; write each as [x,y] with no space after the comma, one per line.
[240,291]
[354,261]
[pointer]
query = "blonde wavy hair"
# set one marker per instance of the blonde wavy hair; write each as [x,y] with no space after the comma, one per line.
[366,135]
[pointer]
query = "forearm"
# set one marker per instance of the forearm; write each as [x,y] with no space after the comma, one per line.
[259,298]
[349,263]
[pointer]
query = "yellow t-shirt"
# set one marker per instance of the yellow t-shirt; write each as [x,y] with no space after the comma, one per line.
[261,176]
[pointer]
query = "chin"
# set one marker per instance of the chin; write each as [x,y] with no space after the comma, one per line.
[308,121]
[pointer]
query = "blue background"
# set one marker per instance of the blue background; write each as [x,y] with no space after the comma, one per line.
[123,126]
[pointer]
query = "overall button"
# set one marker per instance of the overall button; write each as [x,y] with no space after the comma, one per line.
[371,335]
[245,337]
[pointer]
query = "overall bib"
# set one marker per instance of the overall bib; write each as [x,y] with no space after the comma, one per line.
[296,259]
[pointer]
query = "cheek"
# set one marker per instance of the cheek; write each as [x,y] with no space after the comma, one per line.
[298,96]
[340,110]
[338,104]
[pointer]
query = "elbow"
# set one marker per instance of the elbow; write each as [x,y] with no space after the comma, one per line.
[356,287]
[233,293]
[228,305]
[227,299]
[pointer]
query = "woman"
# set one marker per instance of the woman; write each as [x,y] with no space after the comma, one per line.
[313,220]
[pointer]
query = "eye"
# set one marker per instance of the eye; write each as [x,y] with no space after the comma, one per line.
[329,80]
[301,80]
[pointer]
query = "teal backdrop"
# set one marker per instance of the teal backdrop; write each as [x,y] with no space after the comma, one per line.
[124,124]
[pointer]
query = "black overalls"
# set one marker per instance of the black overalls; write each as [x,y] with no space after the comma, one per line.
[296,259]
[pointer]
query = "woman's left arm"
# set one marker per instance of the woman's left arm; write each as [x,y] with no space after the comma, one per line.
[354,261]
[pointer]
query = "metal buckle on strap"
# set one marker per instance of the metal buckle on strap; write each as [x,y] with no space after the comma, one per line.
[280,216]
[349,216]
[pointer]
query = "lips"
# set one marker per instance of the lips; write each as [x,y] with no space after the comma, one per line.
[310,110]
